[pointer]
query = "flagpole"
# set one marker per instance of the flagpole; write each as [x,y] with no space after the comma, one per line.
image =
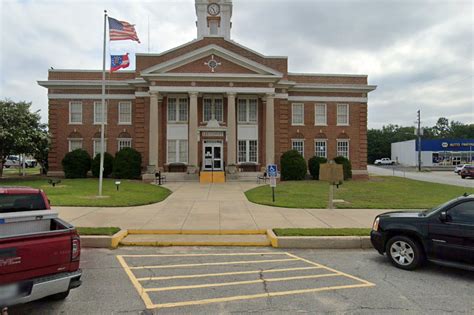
[102,123]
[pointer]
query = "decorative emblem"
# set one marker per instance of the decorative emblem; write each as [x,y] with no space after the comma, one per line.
[212,63]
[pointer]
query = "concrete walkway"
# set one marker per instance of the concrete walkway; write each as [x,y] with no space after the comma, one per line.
[194,206]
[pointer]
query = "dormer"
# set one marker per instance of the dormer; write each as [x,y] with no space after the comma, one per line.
[213,18]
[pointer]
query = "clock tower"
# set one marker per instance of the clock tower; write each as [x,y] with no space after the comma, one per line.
[213,18]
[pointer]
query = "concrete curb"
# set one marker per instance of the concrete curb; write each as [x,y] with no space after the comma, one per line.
[199,232]
[323,242]
[103,241]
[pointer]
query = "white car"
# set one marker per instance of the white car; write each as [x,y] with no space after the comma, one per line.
[384,161]
[459,168]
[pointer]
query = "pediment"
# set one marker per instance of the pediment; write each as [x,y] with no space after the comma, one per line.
[210,59]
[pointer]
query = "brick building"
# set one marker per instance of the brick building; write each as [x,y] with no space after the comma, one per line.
[210,104]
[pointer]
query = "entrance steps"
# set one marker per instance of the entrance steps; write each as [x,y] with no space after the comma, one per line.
[195,238]
[181,177]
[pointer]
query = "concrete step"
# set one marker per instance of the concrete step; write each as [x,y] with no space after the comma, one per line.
[195,240]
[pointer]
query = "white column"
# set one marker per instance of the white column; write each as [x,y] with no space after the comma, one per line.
[153,134]
[270,129]
[231,129]
[193,129]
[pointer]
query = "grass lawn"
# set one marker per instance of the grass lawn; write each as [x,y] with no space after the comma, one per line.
[297,194]
[83,192]
[97,230]
[322,232]
[395,193]
[16,171]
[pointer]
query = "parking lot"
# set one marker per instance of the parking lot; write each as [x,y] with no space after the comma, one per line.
[205,280]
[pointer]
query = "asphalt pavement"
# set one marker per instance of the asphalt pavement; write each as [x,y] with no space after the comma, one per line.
[206,280]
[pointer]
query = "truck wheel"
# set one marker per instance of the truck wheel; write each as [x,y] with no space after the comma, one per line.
[405,253]
[463,176]
[7,166]
[59,296]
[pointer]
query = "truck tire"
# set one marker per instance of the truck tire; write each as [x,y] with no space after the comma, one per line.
[463,176]
[59,296]
[405,252]
[7,166]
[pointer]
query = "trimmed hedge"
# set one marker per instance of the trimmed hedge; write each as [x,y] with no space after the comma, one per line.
[314,164]
[346,166]
[108,165]
[76,164]
[293,166]
[127,164]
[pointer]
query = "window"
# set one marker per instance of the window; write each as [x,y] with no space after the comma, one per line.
[75,112]
[247,110]
[247,151]
[343,148]
[298,145]
[98,113]
[75,144]
[177,151]
[320,148]
[462,213]
[213,108]
[320,114]
[342,114]
[125,113]
[96,148]
[297,114]
[124,143]
[177,109]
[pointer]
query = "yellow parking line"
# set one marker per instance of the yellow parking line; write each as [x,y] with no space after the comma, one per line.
[215,264]
[224,284]
[225,274]
[197,255]
[141,292]
[256,296]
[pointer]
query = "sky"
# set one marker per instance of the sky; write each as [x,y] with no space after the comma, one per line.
[419,53]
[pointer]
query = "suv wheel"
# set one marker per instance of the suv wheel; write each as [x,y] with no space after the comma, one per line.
[405,253]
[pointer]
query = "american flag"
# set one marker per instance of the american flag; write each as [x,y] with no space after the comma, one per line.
[121,30]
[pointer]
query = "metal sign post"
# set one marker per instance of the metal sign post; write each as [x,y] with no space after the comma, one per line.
[272,172]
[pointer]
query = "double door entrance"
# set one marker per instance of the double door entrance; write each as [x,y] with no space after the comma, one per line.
[213,157]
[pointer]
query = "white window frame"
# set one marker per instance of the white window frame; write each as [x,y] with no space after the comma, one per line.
[325,141]
[213,107]
[247,151]
[122,140]
[97,140]
[293,141]
[70,113]
[338,152]
[178,153]
[120,120]
[246,106]
[338,114]
[293,106]
[316,123]
[177,109]
[74,140]
[97,122]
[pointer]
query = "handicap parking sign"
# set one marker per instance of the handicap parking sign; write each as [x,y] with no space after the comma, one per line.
[272,170]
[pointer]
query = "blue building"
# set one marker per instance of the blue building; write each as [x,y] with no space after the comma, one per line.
[434,152]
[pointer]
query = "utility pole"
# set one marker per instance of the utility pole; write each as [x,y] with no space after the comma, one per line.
[419,140]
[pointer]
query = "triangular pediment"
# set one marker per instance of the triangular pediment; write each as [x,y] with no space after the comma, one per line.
[211,59]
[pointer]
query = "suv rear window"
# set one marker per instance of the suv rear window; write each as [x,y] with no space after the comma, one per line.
[21,202]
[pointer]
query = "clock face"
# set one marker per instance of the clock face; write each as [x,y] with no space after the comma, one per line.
[213,9]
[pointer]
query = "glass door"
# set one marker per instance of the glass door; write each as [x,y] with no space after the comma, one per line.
[212,155]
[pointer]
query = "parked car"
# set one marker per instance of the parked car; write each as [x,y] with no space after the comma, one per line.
[459,168]
[384,161]
[39,253]
[467,171]
[11,161]
[443,235]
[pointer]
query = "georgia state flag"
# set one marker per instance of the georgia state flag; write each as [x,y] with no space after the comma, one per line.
[118,62]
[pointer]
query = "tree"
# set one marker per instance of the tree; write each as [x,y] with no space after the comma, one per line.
[314,164]
[108,165]
[76,164]
[442,128]
[293,166]
[127,164]
[21,131]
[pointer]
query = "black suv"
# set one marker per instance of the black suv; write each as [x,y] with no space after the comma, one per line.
[444,235]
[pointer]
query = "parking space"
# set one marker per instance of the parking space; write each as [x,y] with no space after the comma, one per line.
[173,280]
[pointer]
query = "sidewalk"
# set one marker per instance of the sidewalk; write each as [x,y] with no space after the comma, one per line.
[194,206]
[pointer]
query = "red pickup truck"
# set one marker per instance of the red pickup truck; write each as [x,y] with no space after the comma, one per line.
[39,253]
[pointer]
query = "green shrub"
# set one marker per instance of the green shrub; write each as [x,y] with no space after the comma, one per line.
[76,164]
[313,166]
[293,166]
[346,166]
[127,164]
[108,165]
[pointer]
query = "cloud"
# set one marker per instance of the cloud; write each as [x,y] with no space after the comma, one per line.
[419,53]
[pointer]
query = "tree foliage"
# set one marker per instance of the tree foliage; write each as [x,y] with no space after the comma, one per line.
[108,165]
[76,164]
[314,164]
[127,164]
[293,166]
[346,166]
